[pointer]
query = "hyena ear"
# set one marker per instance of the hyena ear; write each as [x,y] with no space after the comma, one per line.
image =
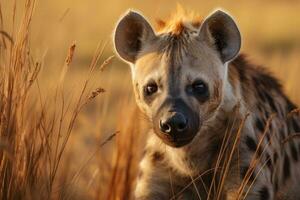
[220,30]
[131,33]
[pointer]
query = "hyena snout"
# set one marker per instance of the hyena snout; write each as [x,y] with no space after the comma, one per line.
[176,124]
[173,122]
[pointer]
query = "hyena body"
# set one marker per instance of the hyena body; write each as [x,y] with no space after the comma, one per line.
[222,128]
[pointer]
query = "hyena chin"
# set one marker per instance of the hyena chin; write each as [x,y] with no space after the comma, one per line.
[222,127]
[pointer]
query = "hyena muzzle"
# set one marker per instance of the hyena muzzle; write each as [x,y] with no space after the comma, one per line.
[218,122]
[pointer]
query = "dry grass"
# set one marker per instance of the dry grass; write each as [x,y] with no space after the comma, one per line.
[36,128]
[65,134]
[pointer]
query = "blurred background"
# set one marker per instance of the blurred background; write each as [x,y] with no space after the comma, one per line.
[270,37]
[270,31]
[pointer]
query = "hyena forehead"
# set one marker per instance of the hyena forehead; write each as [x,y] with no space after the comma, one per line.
[194,60]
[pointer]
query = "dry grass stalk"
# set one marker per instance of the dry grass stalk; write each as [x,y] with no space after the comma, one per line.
[290,137]
[106,62]
[95,93]
[70,54]
[6,36]
[67,63]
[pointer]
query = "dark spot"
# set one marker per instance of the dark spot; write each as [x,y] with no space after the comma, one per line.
[282,133]
[157,157]
[296,126]
[271,102]
[270,127]
[264,193]
[259,151]
[269,162]
[259,124]
[286,167]
[269,81]
[251,144]
[215,148]
[245,170]
[294,151]
[276,186]
[259,107]
[261,95]
[256,81]
[275,157]
[268,137]
[281,110]
[289,105]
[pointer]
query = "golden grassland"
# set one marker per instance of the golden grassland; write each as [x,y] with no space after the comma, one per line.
[69,127]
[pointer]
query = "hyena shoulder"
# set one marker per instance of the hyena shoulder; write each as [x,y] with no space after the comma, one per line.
[273,121]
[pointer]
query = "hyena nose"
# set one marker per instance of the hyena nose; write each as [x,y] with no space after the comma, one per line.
[174,122]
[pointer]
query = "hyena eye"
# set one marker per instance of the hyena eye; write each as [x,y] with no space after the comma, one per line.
[199,88]
[150,89]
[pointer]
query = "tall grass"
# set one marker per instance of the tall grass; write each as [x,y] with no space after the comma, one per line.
[20,156]
[35,128]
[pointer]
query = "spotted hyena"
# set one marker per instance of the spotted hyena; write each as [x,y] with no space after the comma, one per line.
[222,128]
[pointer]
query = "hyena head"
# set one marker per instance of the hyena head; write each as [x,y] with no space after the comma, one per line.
[179,73]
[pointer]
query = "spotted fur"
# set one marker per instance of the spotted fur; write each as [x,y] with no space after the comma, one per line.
[244,146]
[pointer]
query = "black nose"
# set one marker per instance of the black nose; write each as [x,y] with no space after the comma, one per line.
[173,122]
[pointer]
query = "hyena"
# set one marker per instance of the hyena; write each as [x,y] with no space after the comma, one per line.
[221,127]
